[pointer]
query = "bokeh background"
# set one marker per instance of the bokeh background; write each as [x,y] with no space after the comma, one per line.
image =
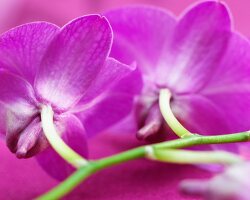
[15,12]
[24,179]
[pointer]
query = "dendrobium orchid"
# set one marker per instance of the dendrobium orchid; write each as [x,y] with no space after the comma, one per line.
[197,62]
[61,79]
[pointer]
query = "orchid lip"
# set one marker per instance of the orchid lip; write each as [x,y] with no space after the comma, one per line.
[27,139]
[12,139]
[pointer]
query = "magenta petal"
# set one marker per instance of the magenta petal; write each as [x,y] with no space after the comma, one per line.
[73,134]
[73,59]
[105,113]
[2,122]
[140,34]
[112,105]
[17,106]
[22,48]
[197,45]
[223,105]
[229,87]
[126,125]
[110,74]
[14,90]
[200,115]
[204,117]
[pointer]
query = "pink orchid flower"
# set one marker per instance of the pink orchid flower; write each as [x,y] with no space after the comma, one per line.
[67,69]
[198,57]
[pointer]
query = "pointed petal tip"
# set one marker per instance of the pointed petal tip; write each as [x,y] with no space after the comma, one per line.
[213,5]
[131,67]
[29,24]
[73,59]
[94,17]
[22,47]
[21,152]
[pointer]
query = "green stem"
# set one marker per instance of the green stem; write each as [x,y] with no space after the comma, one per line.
[69,184]
[193,157]
[201,140]
[140,152]
[82,173]
[168,115]
[56,141]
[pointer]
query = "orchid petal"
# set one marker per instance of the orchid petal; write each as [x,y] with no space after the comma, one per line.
[2,122]
[73,59]
[22,48]
[17,105]
[229,87]
[204,117]
[112,105]
[224,101]
[73,134]
[196,47]
[112,72]
[140,34]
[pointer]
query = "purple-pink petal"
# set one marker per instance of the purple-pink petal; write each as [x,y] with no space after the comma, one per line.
[17,105]
[73,133]
[110,74]
[199,114]
[73,59]
[196,47]
[112,105]
[140,34]
[229,87]
[22,48]
[165,50]
[14,89]
[204,64]
[2,122]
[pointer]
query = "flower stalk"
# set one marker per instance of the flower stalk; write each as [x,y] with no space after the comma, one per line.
[141,152]
[168,115]
[193,157]
[92,167]
[57,142]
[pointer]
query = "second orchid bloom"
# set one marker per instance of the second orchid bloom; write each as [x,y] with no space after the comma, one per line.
[198,57]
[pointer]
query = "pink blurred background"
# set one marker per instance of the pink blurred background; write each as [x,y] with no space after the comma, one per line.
[24,179]
[14,12]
